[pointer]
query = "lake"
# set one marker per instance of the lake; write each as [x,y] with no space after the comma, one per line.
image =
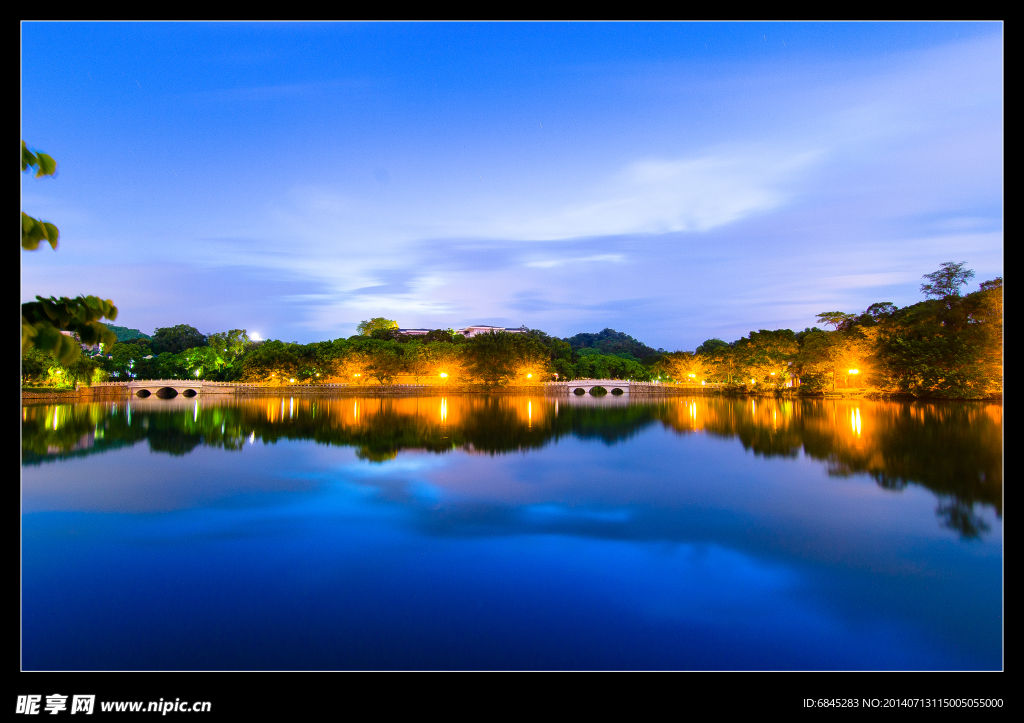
[512,532]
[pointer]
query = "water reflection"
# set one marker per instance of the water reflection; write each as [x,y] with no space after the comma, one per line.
[952,449]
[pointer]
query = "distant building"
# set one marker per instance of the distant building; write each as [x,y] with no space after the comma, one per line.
[469,332]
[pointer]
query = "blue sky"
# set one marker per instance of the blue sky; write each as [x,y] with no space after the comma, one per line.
[675,181]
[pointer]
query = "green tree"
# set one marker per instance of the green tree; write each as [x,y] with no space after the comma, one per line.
[950,346]
[946,282]
[81,371]
[34,365]
[722,362]
[766,356]
[881,310]
[837,320]
[710,345]
[276,361]
[126,334]
[200,362]
[42,320]
[365,328]
[609,341]
[380,359]
[497,358]
[176,339]
[121,360]
[685,366]
[825,356]
[229,347]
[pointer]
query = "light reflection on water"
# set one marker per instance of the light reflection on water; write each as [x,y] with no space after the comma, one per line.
[691,532]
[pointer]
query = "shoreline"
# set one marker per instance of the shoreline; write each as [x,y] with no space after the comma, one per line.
[114,392]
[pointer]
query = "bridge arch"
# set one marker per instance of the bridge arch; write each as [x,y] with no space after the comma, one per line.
[616,387]
[164,388]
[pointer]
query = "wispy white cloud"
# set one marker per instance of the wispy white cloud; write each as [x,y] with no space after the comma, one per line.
[664,195]
[551,263]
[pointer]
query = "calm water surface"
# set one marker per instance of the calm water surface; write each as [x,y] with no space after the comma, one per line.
[511,532]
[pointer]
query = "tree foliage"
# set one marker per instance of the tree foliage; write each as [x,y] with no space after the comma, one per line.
[616,343]
[498,358]
[685,366]
[176,339]
[42,320]
[34,231]
[125,334]
[946,282]
[366,328]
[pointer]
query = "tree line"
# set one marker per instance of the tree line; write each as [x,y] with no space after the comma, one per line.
[949,345]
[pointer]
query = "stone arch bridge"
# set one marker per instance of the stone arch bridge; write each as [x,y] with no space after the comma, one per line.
[586,386]
[173,387]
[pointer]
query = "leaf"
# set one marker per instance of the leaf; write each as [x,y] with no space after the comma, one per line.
[52,234]
[28,159]
[47,166]
[33,231]
[30,235]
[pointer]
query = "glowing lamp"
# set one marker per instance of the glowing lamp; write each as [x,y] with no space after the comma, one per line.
[529,376]
[444,375]
[855,371]
[692,375]
[291,380]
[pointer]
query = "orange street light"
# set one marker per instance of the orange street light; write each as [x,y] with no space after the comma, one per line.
[855,371]
[529,376]
[444,375]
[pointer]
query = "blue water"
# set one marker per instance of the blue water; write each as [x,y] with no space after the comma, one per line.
[660,550]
